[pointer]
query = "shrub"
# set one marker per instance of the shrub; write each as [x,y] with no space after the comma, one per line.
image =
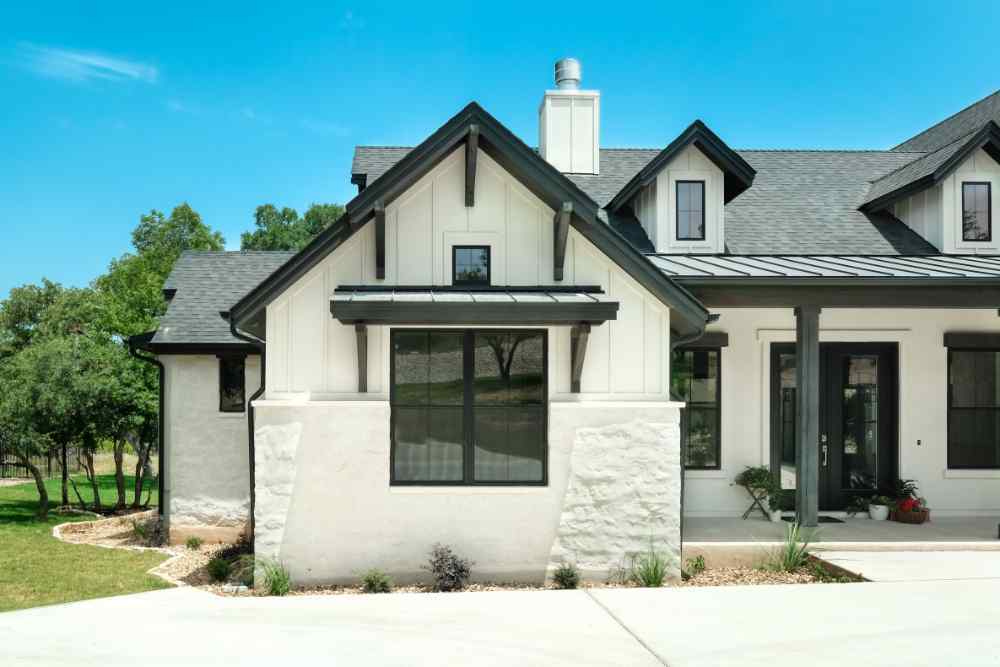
[277,579]
[193,543]
[376,581]
[219,569]
[649,569]
[233,552]
[793,553]
[758,478]
[140,530]
[566,576]
[858,505]
[695,566]
[450,571]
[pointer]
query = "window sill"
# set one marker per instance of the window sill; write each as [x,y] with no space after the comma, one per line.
[467,490]
[706,474]
[984,473]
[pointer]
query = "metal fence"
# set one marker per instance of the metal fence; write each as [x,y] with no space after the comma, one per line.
[11,467]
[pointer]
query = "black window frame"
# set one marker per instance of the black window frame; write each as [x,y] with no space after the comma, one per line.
[989,212]
[471,283]
[718,406]
[949,408]
[677,211]
[468,411]
[242,360]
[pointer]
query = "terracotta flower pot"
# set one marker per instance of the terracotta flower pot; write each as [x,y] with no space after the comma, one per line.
[917,516]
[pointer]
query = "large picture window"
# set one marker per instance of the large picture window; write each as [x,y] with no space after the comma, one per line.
[468,407]
[976,213]
[695,379]
[973,408]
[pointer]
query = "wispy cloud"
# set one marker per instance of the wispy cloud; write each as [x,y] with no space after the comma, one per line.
[351,21]
[248,113]
[325,127]
[82,66]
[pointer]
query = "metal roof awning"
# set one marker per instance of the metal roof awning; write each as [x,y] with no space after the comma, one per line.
[837,281]
[536,306]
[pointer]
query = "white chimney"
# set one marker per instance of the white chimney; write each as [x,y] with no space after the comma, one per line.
[569,122]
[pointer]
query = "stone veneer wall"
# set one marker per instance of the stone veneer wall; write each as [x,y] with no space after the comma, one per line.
[325,508]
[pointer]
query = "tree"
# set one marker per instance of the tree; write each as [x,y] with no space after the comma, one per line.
[284,230]
[21,314]
[166,238]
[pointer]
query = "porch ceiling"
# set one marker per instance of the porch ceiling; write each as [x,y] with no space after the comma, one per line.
[495,306]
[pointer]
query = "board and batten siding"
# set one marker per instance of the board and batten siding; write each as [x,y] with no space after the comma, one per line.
[312,356]
[936,213]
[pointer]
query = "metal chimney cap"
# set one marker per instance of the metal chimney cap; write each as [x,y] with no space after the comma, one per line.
[568,74]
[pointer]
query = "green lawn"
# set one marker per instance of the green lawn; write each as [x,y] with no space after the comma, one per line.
[37,569]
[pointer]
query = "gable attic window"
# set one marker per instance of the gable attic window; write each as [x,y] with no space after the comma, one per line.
[976,213]
[690,210]
[470,265]
[232,384]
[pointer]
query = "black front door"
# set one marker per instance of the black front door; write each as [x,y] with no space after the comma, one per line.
[858,442]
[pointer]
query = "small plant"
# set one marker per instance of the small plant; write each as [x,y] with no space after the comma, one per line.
[219,569]
[858,505]
[793,553]
[649,569]
[376,581]
[695,566]
[756,478]
[566,576]
[233,552]
[450,571]
[244,569]
[140,530]
[277,579]
[884,501]
[193,543]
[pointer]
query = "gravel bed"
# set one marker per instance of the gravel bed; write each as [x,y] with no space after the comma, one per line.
[747,576]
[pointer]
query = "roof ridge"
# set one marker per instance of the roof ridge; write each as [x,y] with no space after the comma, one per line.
[828,150]
[945,120]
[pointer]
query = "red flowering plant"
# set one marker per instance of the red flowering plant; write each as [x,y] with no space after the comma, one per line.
[907,498]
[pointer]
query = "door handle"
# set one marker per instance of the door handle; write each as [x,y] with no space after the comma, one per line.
[825,457]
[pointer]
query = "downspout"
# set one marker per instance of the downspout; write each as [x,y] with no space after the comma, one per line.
[161,422]
[262,347]
[674,344]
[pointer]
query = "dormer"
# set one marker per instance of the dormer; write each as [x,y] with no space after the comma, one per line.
[949,196]
[680,196]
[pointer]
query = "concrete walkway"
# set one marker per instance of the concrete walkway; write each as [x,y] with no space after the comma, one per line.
[912,623]
[918,565]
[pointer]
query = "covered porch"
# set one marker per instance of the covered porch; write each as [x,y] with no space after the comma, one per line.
[836,373]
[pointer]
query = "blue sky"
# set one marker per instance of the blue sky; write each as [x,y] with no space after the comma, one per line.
[112,111]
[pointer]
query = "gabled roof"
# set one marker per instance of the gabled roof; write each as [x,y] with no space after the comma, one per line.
[931,168]
[958,125]
[203,284]
[524,164]
[738,174]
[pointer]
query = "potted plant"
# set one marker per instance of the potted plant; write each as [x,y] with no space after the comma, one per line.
[858,505]
[909,506]
[775,500]
[878,508]
[758,482]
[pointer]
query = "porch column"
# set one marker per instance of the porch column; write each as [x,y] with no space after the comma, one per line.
[807,415]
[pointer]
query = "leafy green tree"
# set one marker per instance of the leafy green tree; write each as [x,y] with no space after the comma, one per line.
[284,230]
[165,238]
[21,314]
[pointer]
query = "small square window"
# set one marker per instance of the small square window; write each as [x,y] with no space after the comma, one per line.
[232,384]
[470,265]
[690,210]
[976,213]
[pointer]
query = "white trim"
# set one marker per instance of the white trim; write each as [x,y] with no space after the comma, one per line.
[948,473]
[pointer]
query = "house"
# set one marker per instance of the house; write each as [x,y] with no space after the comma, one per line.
[523,352]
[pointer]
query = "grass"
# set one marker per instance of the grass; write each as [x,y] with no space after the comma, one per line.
[36,569]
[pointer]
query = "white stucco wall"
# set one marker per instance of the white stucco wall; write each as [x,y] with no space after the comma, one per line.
[325,507]
[936,213]
[922,401]
[312,356]
[207,477]
[656,204]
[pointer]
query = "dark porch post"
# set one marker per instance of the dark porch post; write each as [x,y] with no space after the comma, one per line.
[807,415]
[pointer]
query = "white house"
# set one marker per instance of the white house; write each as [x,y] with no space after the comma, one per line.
[493,346]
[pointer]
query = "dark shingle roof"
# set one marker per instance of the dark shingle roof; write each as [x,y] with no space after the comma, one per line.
[966,121]
[207,283]
[923,166]
[806,202]
[801,202]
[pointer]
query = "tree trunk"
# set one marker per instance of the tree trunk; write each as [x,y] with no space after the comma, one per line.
[43,494]
[142,457]
[88,464]
[119,453]
[65,478]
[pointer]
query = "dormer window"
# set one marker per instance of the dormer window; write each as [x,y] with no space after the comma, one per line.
[690,210]
[976,213]
[470,265]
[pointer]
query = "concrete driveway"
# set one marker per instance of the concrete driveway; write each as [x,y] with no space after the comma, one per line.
[911,623]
